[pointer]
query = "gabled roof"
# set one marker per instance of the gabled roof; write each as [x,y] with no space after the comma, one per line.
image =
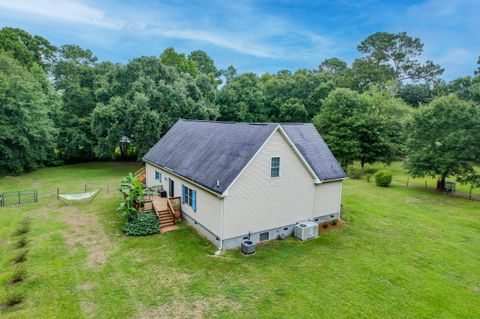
[205,152]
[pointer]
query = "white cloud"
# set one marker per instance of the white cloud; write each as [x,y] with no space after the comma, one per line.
[237,27]
[72,11]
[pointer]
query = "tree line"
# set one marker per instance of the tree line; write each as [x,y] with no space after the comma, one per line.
[61,105]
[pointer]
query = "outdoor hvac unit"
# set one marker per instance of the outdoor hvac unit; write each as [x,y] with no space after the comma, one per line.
[248,247]
[306,230]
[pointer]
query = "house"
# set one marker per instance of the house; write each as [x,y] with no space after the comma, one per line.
[246,180]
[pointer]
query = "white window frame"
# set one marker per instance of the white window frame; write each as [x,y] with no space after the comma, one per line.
[272,167]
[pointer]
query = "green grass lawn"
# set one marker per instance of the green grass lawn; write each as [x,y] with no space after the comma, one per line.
[404,253]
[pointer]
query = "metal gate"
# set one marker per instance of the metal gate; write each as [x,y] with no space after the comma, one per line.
[18,197]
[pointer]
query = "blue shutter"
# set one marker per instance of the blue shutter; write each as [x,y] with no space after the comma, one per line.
[194,200]
[183,193]
[156,175]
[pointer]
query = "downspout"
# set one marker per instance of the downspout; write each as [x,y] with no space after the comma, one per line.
[220,249]
[340,199]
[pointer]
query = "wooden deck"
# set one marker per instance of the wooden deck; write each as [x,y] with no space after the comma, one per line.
[164,210]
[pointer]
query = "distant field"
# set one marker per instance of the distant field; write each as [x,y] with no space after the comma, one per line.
[404,253]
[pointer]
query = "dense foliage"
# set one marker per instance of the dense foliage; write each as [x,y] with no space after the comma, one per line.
[131,191]
[145,224]
[60,104]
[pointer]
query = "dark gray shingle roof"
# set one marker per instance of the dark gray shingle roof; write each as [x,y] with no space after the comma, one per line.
[315,151]
[206,151]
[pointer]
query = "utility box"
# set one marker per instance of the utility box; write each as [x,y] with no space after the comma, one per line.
[306,230]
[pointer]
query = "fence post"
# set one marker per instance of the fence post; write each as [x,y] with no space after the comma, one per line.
[85,188]
[408,177]
[108,189]
[19,197]
[35,196]
[425,184]
[58,193]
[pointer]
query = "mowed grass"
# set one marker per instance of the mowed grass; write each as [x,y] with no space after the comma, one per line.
[404,253]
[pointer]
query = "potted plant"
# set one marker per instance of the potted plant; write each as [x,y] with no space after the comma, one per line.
[176,211]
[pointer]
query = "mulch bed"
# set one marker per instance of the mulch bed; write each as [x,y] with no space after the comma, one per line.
[340,224]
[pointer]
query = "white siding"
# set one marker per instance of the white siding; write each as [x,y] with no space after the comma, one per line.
[259,202]
[327,198]
[208,205]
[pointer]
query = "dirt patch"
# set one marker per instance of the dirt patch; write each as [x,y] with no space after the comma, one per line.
[203,308]
[85,230]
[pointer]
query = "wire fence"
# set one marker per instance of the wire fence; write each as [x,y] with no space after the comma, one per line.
[432,187]
[12,198]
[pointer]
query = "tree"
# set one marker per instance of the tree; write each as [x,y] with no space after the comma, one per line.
[471,178]
[229,74]
[74,76]
[170,57]
[399,52]
[443,139]
[27,49]
[355,129]
[333,65]
[293,110]
[27,133]
[416,94]
[477,71]
[205,64]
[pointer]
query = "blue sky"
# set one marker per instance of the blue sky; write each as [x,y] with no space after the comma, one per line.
[257,36]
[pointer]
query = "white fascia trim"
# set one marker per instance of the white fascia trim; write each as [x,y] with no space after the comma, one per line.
[316,180]
[225,193]
[182,177]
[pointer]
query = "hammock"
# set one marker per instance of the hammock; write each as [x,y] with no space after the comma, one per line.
[68,198]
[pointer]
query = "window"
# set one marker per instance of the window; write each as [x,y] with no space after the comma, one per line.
[158,176]
[263,236]
[275,167]
[189,197]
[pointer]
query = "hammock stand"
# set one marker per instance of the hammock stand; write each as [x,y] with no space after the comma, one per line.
[72,198]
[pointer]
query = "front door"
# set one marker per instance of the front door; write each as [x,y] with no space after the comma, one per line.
[170,187]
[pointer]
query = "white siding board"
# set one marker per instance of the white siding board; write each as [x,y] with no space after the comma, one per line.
[259,202]
[327,198]
[208,205]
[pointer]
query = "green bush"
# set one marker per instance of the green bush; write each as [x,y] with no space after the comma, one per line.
[325,225]
[383,178]
[368,177]
[354,172]
[145,224]
[334,222]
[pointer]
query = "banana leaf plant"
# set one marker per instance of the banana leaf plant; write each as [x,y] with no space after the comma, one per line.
[131,191]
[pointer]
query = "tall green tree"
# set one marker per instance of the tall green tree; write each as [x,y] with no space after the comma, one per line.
[443,139]
[355,128]
[27,133]
[399,52]
[28,50]
[74,77]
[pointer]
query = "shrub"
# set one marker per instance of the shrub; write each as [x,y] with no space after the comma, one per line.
[12,298]
[21,242]
[334,222]
[23,229]
[354,172]
[18,275]
[21,257]
[383,178]
[368,177]
[145,224]
[325,225]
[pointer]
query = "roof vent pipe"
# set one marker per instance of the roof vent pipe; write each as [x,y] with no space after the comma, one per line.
[218,183]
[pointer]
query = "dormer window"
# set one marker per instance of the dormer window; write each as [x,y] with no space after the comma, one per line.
[275,166]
